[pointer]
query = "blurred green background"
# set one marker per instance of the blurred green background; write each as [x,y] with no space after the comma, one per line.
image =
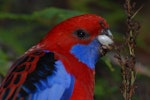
[24,22]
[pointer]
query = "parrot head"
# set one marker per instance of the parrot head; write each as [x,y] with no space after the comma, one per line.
[85,37]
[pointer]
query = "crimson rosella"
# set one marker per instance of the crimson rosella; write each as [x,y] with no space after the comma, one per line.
[61,66]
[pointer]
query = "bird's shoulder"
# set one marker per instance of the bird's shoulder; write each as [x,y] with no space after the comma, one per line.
[34,72]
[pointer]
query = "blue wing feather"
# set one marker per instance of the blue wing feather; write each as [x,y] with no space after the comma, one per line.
[56,85]
[48,81]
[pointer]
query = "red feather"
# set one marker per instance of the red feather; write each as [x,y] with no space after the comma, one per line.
[61,46]
[18,73]
[60,41]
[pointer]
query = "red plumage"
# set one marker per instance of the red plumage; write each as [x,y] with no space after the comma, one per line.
[20,69]
[60,41]
[61,46]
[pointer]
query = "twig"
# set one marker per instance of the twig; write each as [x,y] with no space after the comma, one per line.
[127,60]
[139,67]
[137,12]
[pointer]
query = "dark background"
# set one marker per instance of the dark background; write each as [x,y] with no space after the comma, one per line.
[24,22]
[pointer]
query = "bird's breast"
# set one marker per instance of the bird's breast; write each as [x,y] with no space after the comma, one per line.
[84,77]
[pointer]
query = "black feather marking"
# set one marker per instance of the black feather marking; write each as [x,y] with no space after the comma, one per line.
[6,93]
[37,53]
[44,68]
[17,79]
[20,69]
[30,86]
[23,92]
[8,81]
[12,96]
[31,59]
[20,61]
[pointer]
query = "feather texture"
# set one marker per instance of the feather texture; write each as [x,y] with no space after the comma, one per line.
[35,76]
[61,66]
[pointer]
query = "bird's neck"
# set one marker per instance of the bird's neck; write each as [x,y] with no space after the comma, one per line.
[84,76]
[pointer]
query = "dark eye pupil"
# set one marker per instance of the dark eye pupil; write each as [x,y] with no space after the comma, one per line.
[81,34]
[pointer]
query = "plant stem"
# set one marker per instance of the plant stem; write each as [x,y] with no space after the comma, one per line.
[127,61]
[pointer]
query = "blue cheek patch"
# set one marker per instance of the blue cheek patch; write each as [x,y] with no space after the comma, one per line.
[87,54]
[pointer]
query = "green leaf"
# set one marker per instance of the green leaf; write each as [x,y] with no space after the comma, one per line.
[45,14]
[108,63]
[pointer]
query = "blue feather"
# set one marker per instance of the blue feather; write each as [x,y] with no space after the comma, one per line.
[87,54]
[58,86]
[49,80]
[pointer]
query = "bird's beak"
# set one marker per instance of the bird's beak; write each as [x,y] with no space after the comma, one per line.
[106,40]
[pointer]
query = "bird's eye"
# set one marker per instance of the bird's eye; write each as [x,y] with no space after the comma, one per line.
[81,34]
